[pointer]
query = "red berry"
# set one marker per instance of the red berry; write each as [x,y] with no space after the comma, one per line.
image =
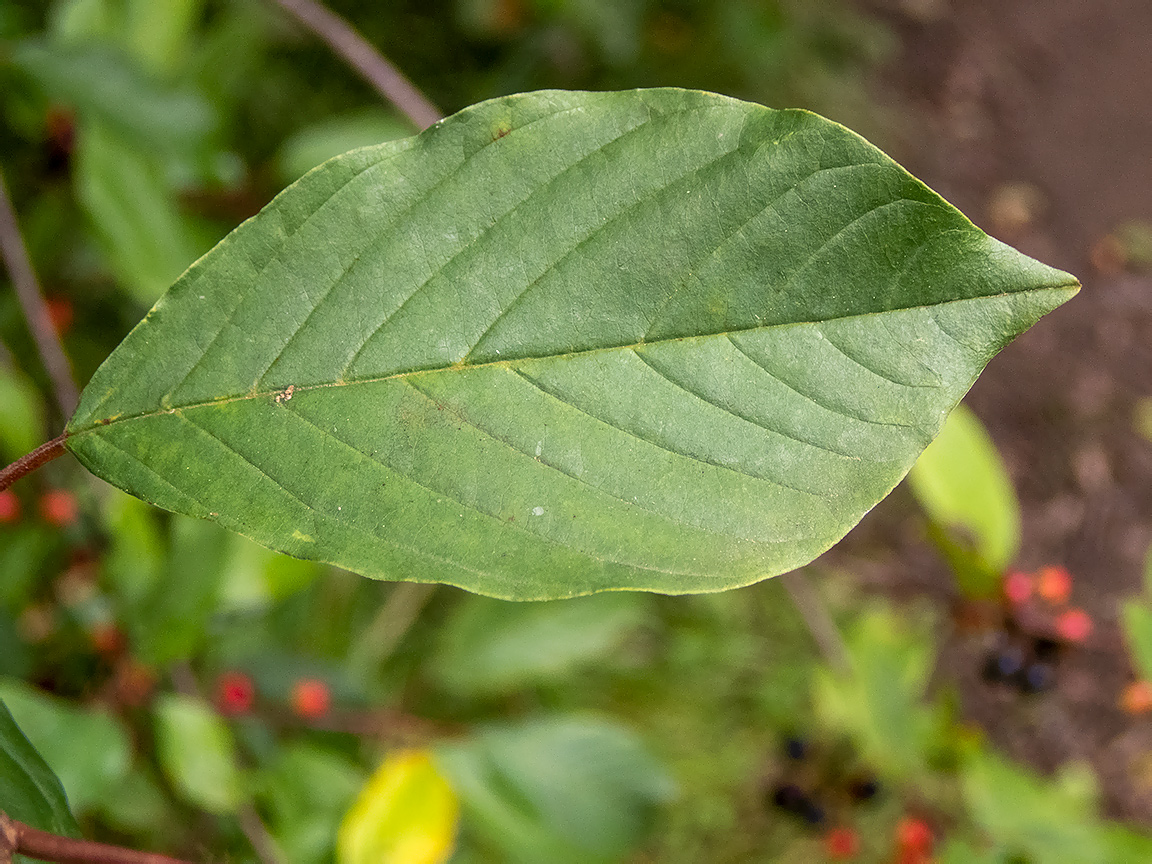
[60,314]
[107,638]
[1137,698]
[1054,584]
[310,698]
[841,844]
[58,507]
[134,681]
[1074,625]
[914,836]
[1017,587]
[9,507]
[235,693]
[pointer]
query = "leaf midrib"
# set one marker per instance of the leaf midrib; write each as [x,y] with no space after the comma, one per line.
[98,425]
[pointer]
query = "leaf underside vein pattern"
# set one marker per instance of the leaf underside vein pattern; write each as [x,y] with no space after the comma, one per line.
[811,398]
[470,246]
[504,524]
[696,394]
[583,481]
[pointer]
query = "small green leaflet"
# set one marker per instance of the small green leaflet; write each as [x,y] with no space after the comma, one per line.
[566,342]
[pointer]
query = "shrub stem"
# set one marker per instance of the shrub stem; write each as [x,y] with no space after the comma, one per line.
[29,463]
[16,838]
[360,54]
[15,255]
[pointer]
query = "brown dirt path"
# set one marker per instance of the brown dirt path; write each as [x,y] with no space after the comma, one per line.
[1035,118]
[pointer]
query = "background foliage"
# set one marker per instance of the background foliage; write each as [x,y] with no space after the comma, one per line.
[198,694]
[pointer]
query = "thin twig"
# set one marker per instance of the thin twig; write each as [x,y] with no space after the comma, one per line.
[820,624]
[380,638]
[262,841]
[18,838]
[365,59]
[31,299]
[29,463]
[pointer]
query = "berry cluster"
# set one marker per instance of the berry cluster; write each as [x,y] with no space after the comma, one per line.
[1040,624]
[808,783]
[236,695]
[810,787]
[57,507]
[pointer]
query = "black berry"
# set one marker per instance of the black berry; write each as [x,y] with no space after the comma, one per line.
[864,788]
[812,812]
[1004,664]
[796,748]
[790,797]
[1037,677]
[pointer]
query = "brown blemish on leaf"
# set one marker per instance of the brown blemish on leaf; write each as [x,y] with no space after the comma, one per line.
[501,129]
[285,394]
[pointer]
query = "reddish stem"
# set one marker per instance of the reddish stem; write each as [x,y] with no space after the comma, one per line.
[359,53]
[18,838]
[27,464]
[15,255]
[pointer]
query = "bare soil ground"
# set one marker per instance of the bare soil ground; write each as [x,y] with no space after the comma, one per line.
[1035,118]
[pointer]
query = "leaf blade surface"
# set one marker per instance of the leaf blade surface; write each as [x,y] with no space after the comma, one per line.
[566,342]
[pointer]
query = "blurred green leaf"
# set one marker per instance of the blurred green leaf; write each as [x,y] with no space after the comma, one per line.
[405,814]
[197,753]
[960,481]
[1126,845]
[134,561]
[1142,417]
[21,414]
[88,750]
[104,86]
[959,852]
[320,142]
[136,805]
[29,791]
[1049,822]
[1137,619]
[174,617]
[881,703]
[134,213]
[26,550]
[15,653]
[158,31]
[79,20]
[254,577]
[492,646]
[306,791]
[561,789]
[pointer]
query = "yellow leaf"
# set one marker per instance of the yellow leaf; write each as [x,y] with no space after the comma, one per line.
[405,814]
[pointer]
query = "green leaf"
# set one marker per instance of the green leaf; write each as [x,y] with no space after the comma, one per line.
[1051,822]
[492,646]
[29,791]
[172,622]
[103,85]
[318,143]
[881,704]
[21,414]
[133,212]
[563,343]
[196,751]
[306,792]
[134,561]
[252,577]
[961,482]
[88,750]
[561,789]
[1137,618]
